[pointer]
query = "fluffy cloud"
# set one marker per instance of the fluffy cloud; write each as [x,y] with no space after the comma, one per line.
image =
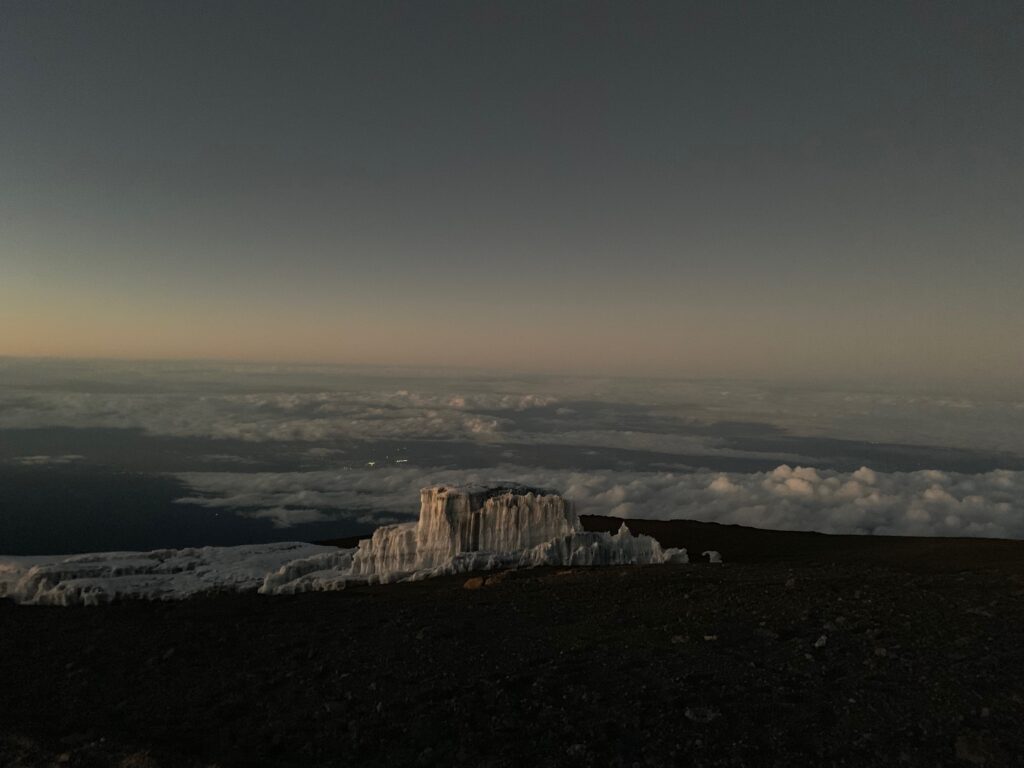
[924,503]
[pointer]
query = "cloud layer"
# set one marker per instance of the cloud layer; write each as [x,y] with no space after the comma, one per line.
[260,417]
[922,503]
[46,460]
[260,404]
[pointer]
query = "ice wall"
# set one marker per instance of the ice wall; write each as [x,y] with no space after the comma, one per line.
[459,520]
[471,528]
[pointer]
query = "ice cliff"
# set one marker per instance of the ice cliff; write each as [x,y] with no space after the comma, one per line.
[460,529]
[472,528]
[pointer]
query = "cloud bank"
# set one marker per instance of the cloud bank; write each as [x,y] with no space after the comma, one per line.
[922,503]
[305,417]
[294,403]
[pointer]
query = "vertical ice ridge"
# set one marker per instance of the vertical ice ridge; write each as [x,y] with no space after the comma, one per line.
[464,528]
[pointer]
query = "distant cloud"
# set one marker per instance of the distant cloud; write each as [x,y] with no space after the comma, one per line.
[350,493]
[291,403]
[658,442]
[306,417]
[226,458]
[40,461]
[286,517]
[925,503]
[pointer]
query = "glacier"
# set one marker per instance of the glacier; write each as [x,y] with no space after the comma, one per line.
[162,574]
[460,529]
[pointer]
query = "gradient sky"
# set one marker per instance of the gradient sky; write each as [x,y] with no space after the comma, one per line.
[791,189]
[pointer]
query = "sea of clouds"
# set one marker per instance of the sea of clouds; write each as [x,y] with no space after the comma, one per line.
[282,403]
[326,411]
[923,503]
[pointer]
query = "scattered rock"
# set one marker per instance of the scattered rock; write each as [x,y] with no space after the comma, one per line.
[476,582]
[406,661]
[821,641]
[970,749]
[701,714]
[138,760]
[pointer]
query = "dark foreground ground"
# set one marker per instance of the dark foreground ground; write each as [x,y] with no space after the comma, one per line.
[801,650]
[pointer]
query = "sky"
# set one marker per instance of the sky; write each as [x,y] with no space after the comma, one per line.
[777,190]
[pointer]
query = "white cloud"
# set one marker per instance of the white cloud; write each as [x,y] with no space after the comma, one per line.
[286,517]
[40,461]
[924,503]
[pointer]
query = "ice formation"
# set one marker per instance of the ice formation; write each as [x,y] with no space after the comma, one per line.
[460,529]
[474,528]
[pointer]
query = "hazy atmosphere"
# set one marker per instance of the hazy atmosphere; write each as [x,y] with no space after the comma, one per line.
[794,190]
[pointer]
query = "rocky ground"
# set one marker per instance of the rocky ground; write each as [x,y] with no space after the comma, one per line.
[798,651]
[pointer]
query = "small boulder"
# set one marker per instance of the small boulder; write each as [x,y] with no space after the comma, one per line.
[702,714]
[496,578]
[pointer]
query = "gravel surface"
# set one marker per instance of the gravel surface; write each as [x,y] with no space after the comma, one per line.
[809,658]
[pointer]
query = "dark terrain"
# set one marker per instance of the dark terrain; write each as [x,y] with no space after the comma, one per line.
[801,649]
